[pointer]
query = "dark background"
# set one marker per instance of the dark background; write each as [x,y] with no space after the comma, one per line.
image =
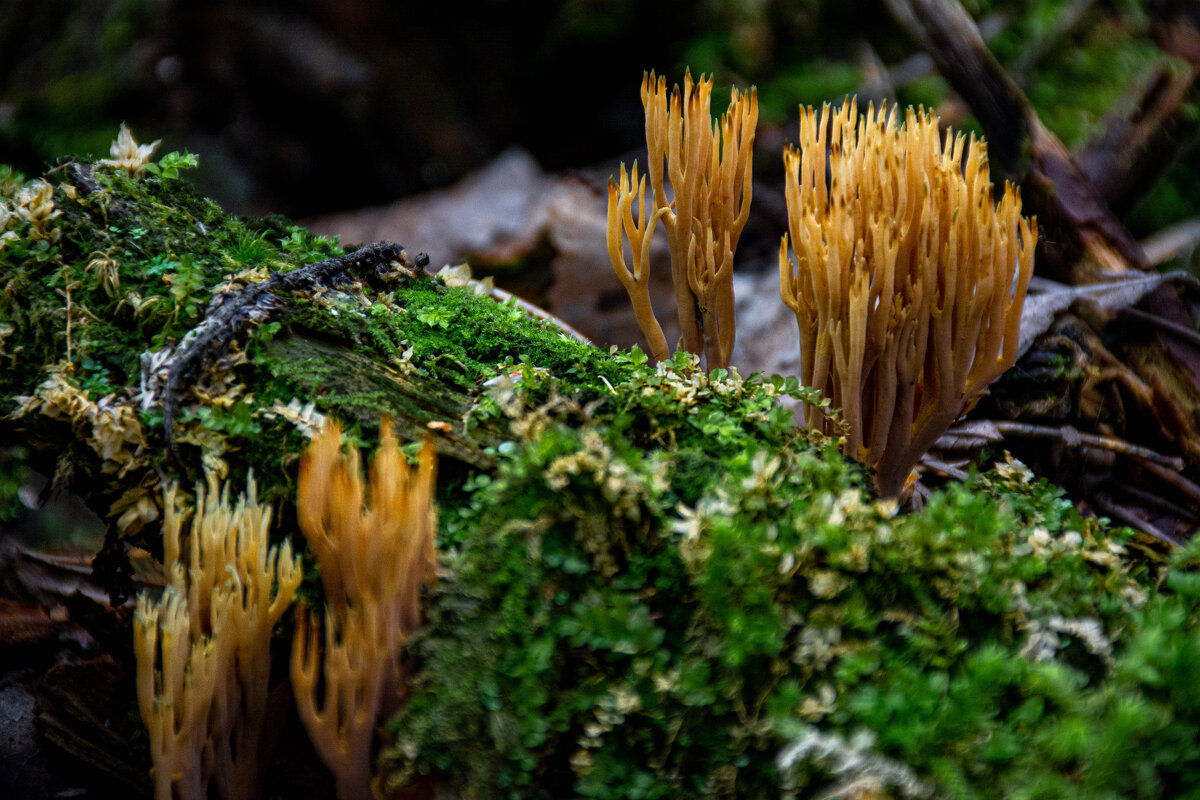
[309,107]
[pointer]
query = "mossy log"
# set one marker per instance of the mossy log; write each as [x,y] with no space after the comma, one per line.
[146,336]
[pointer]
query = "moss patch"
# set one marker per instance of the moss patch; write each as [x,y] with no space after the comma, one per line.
[675,596]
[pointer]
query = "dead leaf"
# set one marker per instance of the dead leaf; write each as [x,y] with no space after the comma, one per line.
[1041,307]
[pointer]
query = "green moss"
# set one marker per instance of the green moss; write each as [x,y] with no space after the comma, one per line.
[164,249]
[460,327]
[687,606]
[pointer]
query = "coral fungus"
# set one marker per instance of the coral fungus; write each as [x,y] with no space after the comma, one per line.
[908,281]
[373,561]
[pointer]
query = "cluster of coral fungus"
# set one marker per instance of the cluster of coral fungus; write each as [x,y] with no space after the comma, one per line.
[908,280]
[203,648]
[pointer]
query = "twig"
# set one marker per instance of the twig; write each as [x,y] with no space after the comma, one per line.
[877,85]
[1074,438]
[920,65]
[1128,518]
[944,467]
[1165,325]
[235,311]
[1142,141]
[1162,504]
[1185,486]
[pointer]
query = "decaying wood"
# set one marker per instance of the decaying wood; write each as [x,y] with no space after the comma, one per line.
[1046,299]
[1104,402]
[232,313]
[413,399]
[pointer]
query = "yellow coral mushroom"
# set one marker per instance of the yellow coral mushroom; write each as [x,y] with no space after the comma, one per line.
[908,280]
[709,165]
[373,561]
[637,280]
[203,649]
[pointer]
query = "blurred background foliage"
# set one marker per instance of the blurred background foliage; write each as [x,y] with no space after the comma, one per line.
[316,106]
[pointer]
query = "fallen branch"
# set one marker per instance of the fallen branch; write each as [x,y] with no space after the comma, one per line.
[1176,479]
[1140,144]
[1077,223]
[1126,517]
[232,313]
[1075,438]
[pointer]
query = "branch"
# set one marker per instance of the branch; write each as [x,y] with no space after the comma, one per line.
[1073,214]
[1143,140]
[232,313]
[1074,438]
